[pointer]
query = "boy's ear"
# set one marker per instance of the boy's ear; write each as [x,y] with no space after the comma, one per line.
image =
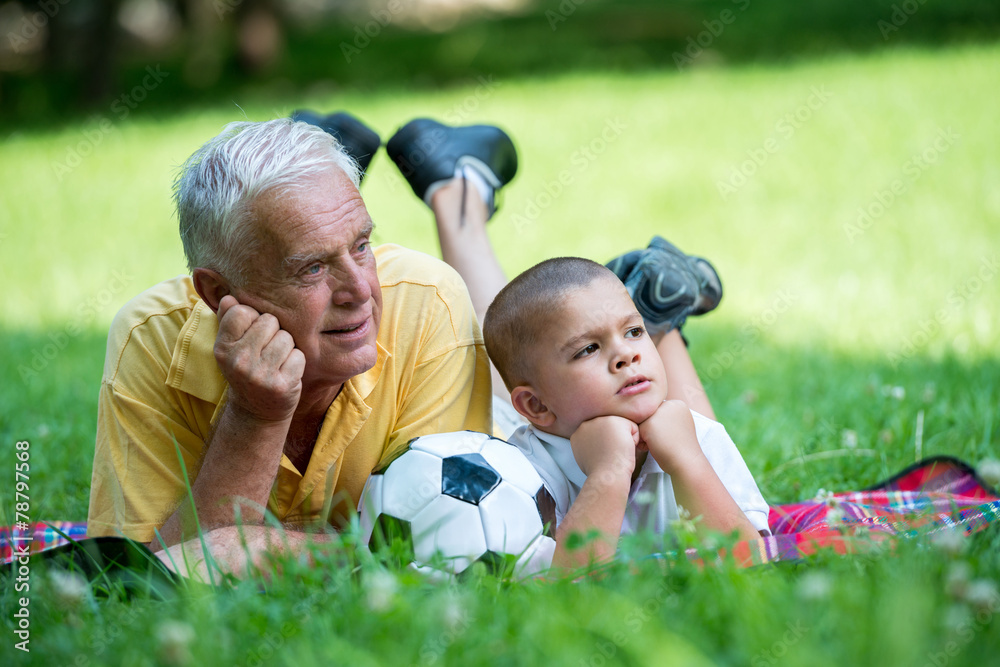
[211,287]
[529,405]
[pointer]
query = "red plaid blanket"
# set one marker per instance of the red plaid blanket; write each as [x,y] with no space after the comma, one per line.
[936,494]
[932,495]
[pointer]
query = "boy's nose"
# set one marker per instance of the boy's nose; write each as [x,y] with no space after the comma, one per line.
[626,359]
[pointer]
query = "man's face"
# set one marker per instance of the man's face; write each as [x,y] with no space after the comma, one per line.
[315,272]
[596,359]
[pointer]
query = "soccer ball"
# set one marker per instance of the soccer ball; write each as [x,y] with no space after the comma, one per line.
[453,499]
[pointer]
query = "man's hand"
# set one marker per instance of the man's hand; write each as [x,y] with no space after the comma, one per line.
[670,436]
[605,445]
[259,361]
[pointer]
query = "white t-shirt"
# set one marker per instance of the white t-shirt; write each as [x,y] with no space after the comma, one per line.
[651,503]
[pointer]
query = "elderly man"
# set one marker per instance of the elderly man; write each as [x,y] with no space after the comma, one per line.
[295,358]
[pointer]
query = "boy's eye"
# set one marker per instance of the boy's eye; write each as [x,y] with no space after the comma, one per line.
[635,332]
[590,349]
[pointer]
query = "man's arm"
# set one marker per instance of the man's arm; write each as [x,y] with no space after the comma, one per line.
[264,371]
[604,449]
[673,443]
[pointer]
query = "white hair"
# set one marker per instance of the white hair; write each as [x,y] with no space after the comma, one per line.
[217,185]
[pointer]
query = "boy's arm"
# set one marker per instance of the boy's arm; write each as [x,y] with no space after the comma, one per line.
[604,448]
[673,442]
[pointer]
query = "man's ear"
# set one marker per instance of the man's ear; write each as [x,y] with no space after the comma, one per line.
[529,405]
[211,287]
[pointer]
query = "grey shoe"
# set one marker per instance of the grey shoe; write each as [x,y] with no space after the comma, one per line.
[666,285]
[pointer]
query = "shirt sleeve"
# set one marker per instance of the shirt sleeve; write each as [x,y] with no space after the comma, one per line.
[728,463]
[144,430]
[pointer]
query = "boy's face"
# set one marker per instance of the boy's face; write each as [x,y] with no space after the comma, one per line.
[595,359]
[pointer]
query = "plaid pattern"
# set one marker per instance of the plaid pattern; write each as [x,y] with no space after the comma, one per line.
[38,537]
[935,494]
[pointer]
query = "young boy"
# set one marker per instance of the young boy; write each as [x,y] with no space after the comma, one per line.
[589,372]
[614,453]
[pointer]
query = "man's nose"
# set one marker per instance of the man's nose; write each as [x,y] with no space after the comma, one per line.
[351,285]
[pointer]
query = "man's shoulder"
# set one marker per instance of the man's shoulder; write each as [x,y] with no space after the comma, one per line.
[425,292]
[153,319]
[399,266]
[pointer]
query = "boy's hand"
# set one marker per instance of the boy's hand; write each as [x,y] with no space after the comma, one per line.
[606,445]
[672,440]
[670,436]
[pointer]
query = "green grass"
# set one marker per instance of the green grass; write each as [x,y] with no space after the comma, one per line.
[818,327]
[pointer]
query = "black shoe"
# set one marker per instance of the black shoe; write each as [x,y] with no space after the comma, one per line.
[666,285]
[359,140]
[429,154]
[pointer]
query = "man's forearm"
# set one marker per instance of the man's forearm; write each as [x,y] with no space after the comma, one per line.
[240,465]
[237,550]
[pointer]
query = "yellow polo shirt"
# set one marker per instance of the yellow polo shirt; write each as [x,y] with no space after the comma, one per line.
[161,385]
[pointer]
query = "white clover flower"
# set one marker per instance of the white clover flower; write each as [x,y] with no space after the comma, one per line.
[956,580]
[454,615]
[849,438]
[814,586]
[982,594]
[684,523]
[899,393]
[989,471]
[835,517]
[380,591]
[827,498]
[956,616]
[949,541]
[69,588]
[173,640]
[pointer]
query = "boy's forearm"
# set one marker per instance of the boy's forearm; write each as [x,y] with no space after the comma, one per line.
[698,489]
[599,507]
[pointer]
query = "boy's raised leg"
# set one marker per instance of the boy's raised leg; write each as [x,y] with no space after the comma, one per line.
[683,382]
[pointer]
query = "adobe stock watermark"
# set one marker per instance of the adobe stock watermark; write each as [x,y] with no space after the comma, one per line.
[41,356]
[913,169]
[779,649]
[562,13]
[486,86]
[901,13]
[714,28]
[580,160]
[371,29]
[101,126]
[784,130]
[34,22]
[955,300]
[780,304]
[607,648]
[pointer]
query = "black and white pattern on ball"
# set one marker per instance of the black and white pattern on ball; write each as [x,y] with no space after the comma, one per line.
[453,499]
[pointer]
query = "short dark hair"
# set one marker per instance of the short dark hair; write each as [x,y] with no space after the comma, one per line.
[520,312]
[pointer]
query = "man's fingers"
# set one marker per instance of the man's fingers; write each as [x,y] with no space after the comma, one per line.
[225,304]
[295,364]
[235,321]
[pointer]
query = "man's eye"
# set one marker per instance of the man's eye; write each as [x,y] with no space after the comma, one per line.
[587,351]
[363,246]
[313,269]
